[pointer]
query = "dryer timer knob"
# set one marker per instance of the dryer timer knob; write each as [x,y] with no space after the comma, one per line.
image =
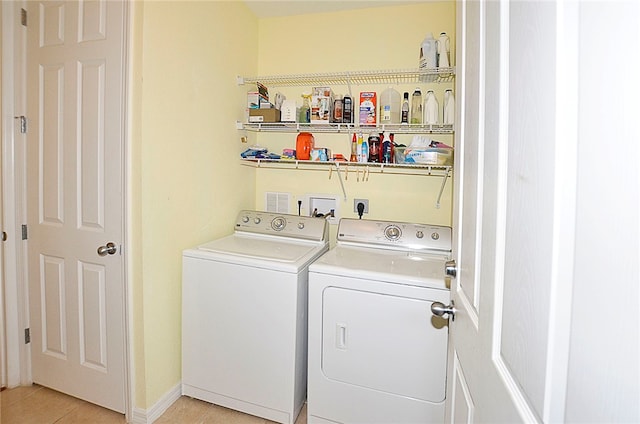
[245,219]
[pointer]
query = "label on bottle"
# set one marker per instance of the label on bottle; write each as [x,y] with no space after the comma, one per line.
[386,114]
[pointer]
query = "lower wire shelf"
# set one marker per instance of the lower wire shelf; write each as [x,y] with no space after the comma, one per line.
[361,169]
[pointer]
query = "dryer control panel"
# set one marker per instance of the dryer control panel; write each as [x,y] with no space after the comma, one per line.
[282,225]
[398,235]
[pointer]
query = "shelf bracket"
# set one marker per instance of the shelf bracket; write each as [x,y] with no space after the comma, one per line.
[344,192]
[444,181]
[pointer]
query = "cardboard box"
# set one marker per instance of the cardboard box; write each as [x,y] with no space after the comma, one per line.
[368,106]
[264,115]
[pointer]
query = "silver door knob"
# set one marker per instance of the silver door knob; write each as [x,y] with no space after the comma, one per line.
[450,268]
[438,309]
[109,249]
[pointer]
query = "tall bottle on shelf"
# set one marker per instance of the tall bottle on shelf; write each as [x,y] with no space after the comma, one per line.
[443,50]
[386,152]
[416,107]
[404,118]
[449,107]
[347,109]
[354,149]
[304,116]
[364,156]
[431,108]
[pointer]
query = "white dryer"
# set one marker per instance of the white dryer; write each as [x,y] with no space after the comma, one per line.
[376,352]
[244,314]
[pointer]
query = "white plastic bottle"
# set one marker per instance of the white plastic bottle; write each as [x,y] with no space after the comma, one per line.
[390,106]
[428,52]
[431,108]
[443,50]
[449,107]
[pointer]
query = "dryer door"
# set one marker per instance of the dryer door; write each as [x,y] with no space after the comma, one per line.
[384,342]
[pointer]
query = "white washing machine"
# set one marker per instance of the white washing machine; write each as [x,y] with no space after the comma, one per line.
[376,352]
[244,318]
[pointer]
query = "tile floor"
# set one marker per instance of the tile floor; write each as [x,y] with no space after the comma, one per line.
[39,405]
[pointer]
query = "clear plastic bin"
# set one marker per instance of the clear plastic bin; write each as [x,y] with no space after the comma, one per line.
[428,156]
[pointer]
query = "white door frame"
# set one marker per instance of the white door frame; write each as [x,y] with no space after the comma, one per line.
[16,300]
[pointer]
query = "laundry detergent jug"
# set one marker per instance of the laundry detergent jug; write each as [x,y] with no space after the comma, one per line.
[304,144]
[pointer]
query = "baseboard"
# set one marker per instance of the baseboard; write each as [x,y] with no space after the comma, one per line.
[148,416]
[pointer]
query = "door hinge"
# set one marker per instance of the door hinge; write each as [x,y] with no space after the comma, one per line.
[27,336]
[24,231]
[23,123]
[23,17]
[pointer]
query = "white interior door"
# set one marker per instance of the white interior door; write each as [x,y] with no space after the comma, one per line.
[75,197]
[515,194]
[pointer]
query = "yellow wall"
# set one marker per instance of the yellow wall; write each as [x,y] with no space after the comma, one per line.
[187,185]
[373,39]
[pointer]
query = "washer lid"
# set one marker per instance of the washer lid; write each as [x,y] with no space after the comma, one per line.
[263,251]
[392,266]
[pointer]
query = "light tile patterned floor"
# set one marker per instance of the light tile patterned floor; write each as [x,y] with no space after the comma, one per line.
[39,405]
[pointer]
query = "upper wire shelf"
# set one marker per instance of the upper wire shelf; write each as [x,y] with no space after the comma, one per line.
[399,76]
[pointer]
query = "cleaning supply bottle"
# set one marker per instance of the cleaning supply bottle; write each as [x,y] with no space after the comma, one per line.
[304,116]
[431,108]
[416,107]
[347,109]
[449,108]
[337,109]
[374,148]
[359,148]
[386,153]
[390,106]
[354,149]
[404,119]
[365,151]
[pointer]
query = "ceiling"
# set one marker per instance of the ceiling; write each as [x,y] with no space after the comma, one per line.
[272,8]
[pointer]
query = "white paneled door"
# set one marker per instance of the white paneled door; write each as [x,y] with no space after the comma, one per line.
[513,213]
[75,96]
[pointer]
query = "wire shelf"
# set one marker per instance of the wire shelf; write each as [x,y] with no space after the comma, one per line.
[292,127]
[401,76]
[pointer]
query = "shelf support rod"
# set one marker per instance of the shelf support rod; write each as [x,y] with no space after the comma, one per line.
[344,192]
[444,181]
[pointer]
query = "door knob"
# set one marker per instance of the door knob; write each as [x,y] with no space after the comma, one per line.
[450,268]
[438,309]
[109,249]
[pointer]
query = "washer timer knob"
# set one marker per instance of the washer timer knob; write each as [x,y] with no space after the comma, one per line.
[419,234]
[392,232]
[278,223]
[256,220]
[435,236]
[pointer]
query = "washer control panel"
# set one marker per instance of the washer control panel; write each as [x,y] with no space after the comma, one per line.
[283,225]
[395,235]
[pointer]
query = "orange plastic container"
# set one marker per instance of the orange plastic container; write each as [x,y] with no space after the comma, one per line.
[304,144]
